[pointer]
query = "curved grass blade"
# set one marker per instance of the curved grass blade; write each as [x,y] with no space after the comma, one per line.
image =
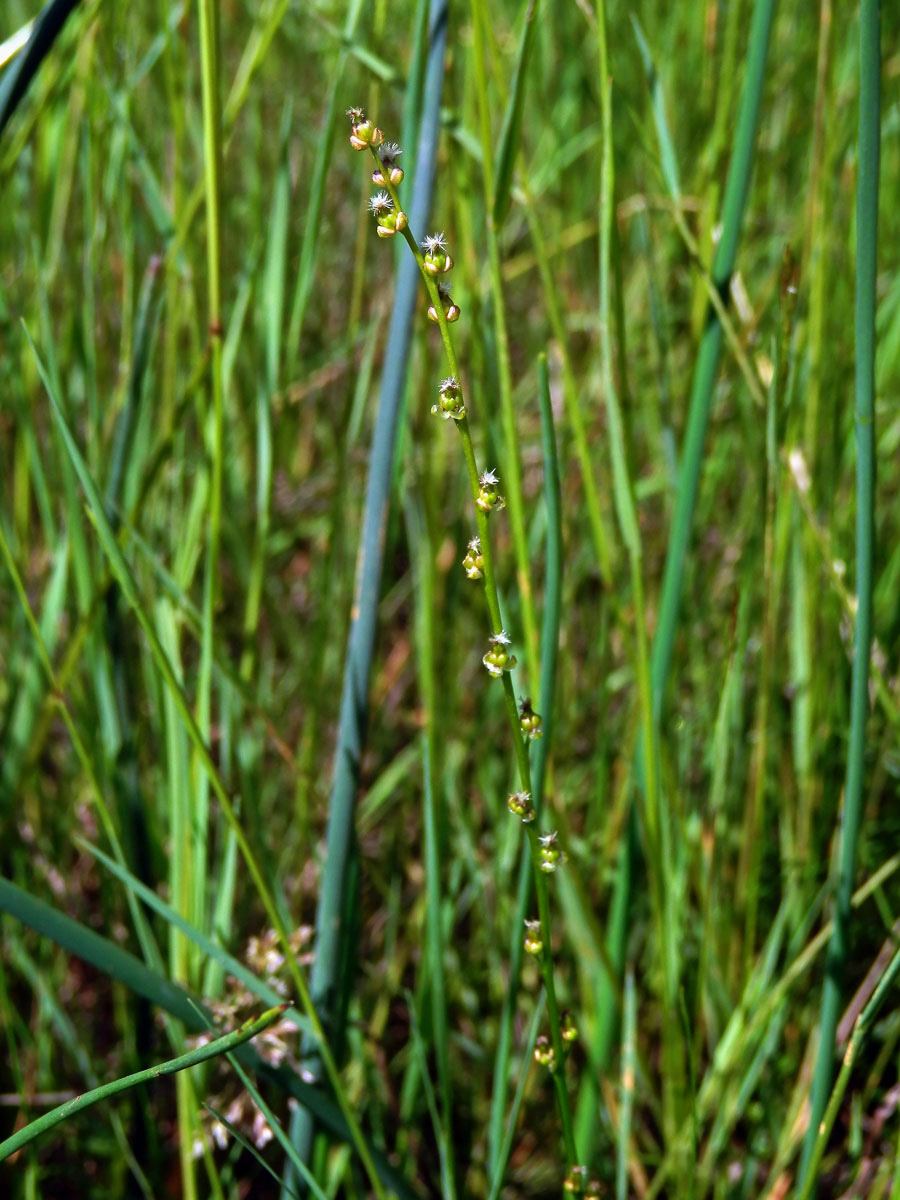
[68,1036]
[230,1041]
[227,962]
[120,965]
[46,30]
[130,590]
[109,958]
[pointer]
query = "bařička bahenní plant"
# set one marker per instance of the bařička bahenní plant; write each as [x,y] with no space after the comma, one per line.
[435,261]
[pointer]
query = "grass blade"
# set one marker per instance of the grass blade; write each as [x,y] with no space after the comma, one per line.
[668,157]
[866,267]
[510,134]
[129,590]
[44,33]
[736,189]
[230,1041]
[227,962]
[505,1148]
[118,964]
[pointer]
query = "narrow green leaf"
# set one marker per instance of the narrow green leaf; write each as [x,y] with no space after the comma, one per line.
[230,1041]
[511,133]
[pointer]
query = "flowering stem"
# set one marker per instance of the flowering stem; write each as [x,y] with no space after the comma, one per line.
[493,602]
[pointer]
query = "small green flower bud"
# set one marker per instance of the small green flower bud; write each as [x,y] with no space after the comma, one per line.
[543,1052]
[498,659]
[450,401]
[362,132]
[530,721]
[551,855]
[389,221]
[390,169]
[488,497]
[520,805]
[533,942]
[474,560]
[568,1028]
[437,260]
[451,310]
[576,1180]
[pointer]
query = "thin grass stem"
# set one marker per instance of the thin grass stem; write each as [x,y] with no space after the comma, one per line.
[866,268]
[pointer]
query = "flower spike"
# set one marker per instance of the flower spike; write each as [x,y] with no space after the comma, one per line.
[530,721]
[520,805]
[451,310]
[551,855]
[362,132]
[488,497]
[389,169]
[437,260]
[498,659]
[389,222]
[450,401]
[533,943]
[474,560]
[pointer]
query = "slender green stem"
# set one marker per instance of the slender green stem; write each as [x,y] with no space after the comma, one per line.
[512,465]
[493,603]
[213,1049]
[736,188]
[866,265]
[212,162]
[497,1141]
[199,806]
[655,819]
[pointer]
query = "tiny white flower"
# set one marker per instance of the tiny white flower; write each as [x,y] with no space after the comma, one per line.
[434,242]
[389,152]
[450,384]
[475,545]
[380,204]
[500,639]
[489,478]
[548,839]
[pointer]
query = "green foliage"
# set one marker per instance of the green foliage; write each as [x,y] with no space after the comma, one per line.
[219,456]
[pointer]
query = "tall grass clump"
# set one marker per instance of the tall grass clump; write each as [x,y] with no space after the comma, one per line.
[448,625]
